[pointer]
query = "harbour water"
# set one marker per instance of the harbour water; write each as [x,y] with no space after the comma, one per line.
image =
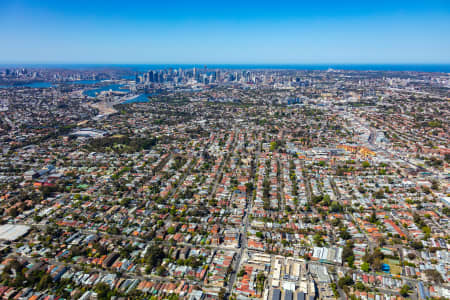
[138,99]
[48,84]
[30,85]
[112,87]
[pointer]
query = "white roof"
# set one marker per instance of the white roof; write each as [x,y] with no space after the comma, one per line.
[11,232]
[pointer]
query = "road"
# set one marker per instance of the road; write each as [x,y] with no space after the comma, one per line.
[244,242]
[192,161]
[223,163]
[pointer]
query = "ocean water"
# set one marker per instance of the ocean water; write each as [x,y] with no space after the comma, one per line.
[445,68]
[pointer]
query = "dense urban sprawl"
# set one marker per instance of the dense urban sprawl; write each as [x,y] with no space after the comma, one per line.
[224,184]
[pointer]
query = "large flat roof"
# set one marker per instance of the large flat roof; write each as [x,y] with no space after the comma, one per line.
[12,232]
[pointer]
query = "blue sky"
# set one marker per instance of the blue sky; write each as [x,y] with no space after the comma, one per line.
[278,32]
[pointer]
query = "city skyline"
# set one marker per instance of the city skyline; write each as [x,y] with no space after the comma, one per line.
[236,33]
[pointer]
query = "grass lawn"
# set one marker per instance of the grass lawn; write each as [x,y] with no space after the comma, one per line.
[394,265]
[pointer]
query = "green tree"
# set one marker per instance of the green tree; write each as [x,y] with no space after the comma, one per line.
[103,291]
[360,286]
[365,267]
[404,291]
[171,230]
[318,239]
[222,294]
[344,234]
[345,281]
